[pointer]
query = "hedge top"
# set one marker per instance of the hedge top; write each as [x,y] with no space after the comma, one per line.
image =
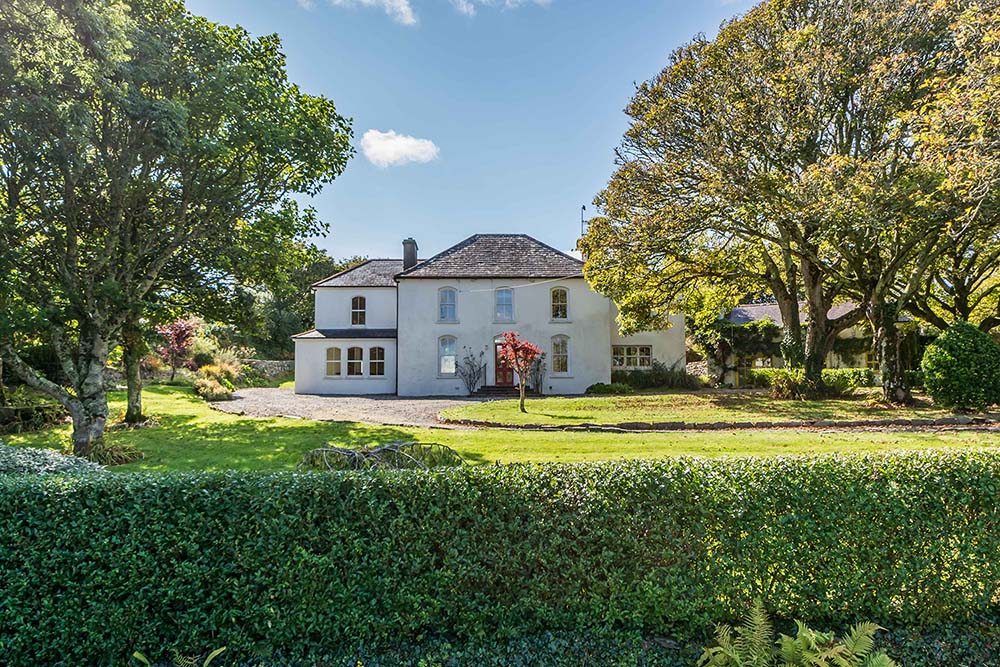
[96,566]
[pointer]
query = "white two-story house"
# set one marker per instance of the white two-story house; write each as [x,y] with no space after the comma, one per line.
[390,326]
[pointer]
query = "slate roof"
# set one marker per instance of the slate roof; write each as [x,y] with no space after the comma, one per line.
[347,333]
[370,273]
[498,256]
[751,312]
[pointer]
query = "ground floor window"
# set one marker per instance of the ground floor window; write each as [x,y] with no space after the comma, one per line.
[631,356]
[355,361]
[447,355]
[376,361]
[332,361]
[871,361]
[560,354]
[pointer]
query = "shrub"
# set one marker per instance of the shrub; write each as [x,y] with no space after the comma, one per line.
[658,376]
[97,566]
[223,375]
[752,644]
[211,390]
[962,368]
[790,383]
[26,460]
[613,388]
[202,359]
[250,377]
[112,453]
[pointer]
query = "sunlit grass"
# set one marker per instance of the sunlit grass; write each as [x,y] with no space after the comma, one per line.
[190,435]
[694,407]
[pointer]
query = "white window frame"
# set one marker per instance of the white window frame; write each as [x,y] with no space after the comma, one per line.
[561,338]
[441,356]
[360,362]
[632,357]
[337,359]
[552,304]
[362,311]
[442,304]
[372,361]
[496,304]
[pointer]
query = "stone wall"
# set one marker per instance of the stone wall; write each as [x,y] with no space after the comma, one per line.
[271,368]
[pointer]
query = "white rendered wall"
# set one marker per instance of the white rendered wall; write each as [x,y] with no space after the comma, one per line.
[333,307]
[668,345]
[587,327]
[310,368]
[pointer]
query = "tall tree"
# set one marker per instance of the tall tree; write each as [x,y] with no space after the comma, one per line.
[787,135]
[128,132]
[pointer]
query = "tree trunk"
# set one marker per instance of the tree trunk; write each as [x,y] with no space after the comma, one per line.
[817,330]
[87,404]
[90,416]
[793,351]
[3,387]
[521,385]
[133,381]
[133,348]
[884,317]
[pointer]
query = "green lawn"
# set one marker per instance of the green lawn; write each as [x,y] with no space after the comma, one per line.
[192,436]
[694,407]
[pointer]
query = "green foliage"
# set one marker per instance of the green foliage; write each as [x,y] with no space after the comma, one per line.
[659,376]
[751,644]
[962,368]
[791,383]
[613,388]
[27,460]
[183,661]
[212,390]
[718,339]
[302,561]
[114,453]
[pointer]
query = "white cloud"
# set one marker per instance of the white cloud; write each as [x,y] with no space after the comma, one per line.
[399,10]
[387,149]
[468,7]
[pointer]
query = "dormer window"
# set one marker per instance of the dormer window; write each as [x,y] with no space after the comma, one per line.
[358,314]
[447,304]
[560,303]
[504,305]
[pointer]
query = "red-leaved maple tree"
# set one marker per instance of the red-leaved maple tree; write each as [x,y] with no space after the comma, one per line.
[179,337]
[519,355]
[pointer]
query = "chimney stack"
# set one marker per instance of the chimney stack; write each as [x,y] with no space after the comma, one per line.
[409,253]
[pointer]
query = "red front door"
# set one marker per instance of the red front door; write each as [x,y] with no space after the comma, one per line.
[505,374]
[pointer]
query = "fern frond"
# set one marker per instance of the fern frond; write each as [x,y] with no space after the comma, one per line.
[861,639]
[879,660]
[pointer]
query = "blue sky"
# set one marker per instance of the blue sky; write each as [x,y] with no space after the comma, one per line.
[506,113]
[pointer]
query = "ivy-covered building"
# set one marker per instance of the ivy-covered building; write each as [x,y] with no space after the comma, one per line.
[750,335]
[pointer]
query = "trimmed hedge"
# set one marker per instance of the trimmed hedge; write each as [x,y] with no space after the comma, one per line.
[94,567]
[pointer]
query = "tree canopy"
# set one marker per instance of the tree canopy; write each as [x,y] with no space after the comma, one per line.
[131,133]
[789,155]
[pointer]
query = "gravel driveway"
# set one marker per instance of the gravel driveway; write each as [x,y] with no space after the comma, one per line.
[390,410]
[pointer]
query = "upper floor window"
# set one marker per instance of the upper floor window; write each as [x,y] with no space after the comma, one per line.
[504,305]
[355,361]
[560,354]
[332,361]
[560,303]
[358,308]
[447,355]
[376,361]
[447,304]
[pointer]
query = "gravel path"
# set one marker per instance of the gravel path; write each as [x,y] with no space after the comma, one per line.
[390,410]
